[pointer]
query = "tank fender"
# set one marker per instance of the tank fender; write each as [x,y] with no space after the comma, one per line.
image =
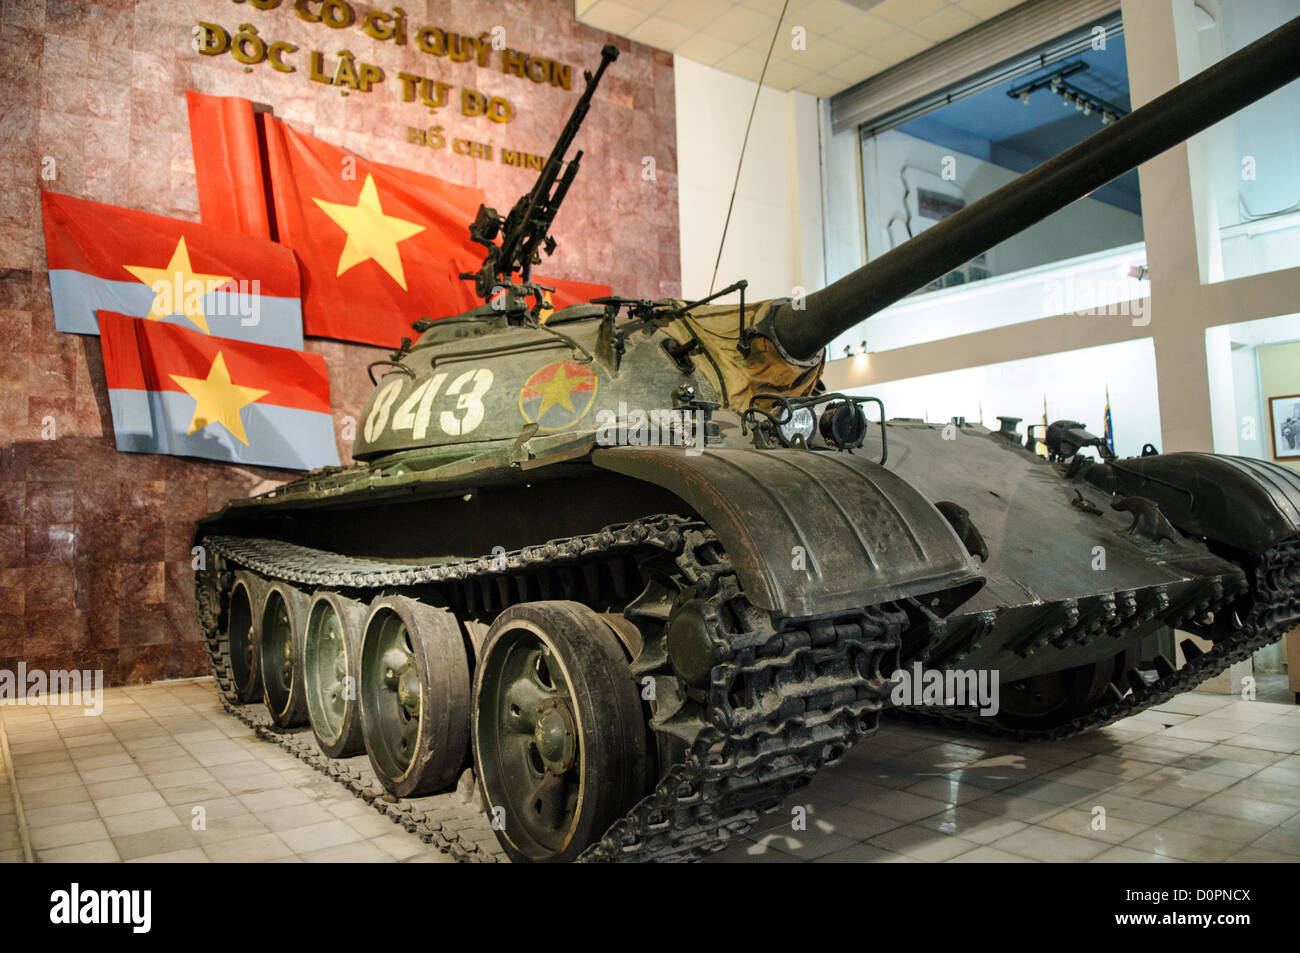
[811,532]
[1240,502]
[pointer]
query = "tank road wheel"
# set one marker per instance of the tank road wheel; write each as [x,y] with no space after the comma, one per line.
[415,687]
[559,735]
[1050,700]
[241,635]
[280,636]
[331,668]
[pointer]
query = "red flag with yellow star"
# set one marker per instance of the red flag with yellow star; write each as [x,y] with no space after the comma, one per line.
[380,247]
[179,391]
[569,292]
[102,257]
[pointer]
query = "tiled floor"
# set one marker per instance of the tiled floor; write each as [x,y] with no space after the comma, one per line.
[1202,778]
[164,774]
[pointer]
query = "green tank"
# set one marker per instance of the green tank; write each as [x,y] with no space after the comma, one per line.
[610,582]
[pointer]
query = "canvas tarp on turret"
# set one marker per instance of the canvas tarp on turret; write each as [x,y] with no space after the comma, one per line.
[739,377]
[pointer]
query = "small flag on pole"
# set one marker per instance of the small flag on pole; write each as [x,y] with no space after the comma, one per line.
[1110,432]
[1040,447]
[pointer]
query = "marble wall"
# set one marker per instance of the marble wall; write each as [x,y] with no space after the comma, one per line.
[94,544]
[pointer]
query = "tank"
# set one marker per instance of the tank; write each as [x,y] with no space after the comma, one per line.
[609,582]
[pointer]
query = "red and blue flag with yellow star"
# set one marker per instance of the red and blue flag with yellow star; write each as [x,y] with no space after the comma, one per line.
[102,257]
[176,390]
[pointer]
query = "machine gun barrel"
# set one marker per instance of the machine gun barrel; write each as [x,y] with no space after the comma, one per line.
[529,222]
[1208,97]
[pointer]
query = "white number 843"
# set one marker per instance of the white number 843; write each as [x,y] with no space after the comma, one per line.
[415,412]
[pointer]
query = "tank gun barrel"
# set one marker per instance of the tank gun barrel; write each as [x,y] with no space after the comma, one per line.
[1191,107]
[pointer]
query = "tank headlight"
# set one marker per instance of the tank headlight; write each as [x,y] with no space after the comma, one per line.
[844,425]
[801,424]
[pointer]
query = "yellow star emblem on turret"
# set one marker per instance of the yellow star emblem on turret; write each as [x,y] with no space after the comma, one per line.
[218,400]
[372,235]
[178,288]
[558,390]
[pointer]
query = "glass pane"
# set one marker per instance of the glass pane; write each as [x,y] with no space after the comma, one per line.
[1248,166]
[1022,388]
[921,172]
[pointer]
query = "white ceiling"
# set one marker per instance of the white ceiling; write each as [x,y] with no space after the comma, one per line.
[847,40]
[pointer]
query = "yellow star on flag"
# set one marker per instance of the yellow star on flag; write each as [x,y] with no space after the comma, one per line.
[178,288]
[218,400]
[558,390]
[371,233]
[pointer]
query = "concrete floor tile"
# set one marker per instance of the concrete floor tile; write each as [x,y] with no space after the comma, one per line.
[253,849]
[230,827]
[922,844]
[301,815]
[1233,829]
[64,835]
[1275,792]
[806,844]
[107,789]
[400,846]
[161,841]
[1127,855]
[972,824]
[112,773]
[1026,809]
[352,807]
[857,854]
[1280,840]
[140,822]
[188,795]
[899,805]
[357,852]
[367,825]
[94,852]
[1245,808]
[270,800]
[990,855]
[315,836]
[60,814]
[1052,846]
[188,855]
[1182,845]
[129,803]
[70,794]
[849,821]
[1082,822]
[34,787]
[53,767]
[948,789]
[1134,810]
[1053,792]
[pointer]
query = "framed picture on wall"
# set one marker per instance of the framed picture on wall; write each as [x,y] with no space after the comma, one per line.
[1284,413]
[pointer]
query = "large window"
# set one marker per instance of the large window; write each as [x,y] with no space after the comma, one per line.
[918,172]
[1248,166]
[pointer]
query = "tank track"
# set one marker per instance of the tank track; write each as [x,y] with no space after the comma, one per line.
[1274,612]
[787,697]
